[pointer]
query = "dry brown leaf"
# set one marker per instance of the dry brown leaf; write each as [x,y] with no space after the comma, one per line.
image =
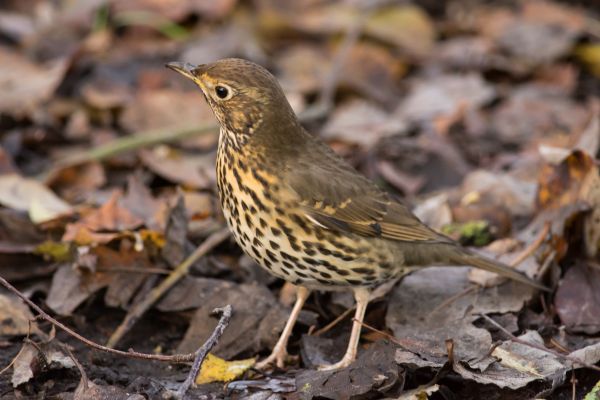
[26,85]
[577,299]
[14,316]
[193,171]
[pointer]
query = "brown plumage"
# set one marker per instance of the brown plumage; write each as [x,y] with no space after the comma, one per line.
[301,211]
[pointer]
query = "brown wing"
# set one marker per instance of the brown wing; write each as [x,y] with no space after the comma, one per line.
[337,197]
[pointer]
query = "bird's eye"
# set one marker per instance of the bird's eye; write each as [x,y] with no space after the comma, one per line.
[221,91]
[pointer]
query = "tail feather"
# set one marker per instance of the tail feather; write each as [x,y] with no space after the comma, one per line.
[466,257]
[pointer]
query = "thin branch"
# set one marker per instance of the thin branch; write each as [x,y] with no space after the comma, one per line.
[136,141]
[176,358]
[333,323]
[136,312]
[206,347]
[555,353]
[533,246]
[3,370]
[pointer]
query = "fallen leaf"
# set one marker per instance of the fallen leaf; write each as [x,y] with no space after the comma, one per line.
[121,271]
[194,171]
[564,184]
[406,26]
[26,85]
[521,366]
[254,326]
[578,299]
[593,394]
[375,370]
[421,314]
[420,393]
[92,391]
[96,226]
[444,95]
[14,316]
[29,195]
[589,54]
[215,369]
[362,123]
[154,109]
[532,112]
[33,360]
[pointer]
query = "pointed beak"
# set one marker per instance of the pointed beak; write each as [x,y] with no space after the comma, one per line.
[185,69]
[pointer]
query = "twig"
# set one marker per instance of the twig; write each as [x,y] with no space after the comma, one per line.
[533,246]
[333,323]
[515,339]
[375,295]
[135,141]
[156,293]
[135,270]
[176,358]
[453,298]
[392,338]
[206,347]
[573,385]
[3,370]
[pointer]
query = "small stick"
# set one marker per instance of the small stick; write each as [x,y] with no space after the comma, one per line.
[136,312]
[515,339]
[134,142]
[333,323]
[206,347]
[533,246]
[176,358]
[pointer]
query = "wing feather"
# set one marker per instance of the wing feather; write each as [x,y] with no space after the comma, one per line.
[332,194]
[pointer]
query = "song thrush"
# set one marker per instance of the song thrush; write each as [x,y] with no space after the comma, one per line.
[302,212]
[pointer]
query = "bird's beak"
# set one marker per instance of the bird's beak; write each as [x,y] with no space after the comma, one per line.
[185,69]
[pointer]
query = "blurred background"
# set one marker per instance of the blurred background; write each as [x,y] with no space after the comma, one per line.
[483,115]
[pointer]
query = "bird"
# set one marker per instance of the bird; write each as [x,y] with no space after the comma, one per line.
[302,212]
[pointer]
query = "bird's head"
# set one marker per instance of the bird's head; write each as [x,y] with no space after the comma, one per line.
[244,96]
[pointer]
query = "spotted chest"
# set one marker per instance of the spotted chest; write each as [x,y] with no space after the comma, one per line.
[272,229]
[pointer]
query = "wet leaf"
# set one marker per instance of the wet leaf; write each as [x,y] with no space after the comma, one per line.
[215,369]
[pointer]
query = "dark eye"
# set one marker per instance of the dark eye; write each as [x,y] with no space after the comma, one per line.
[221,92]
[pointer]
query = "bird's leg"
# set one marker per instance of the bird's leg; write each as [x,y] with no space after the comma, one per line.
[361,295]
[280,350]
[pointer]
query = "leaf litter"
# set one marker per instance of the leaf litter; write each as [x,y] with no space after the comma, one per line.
[485,116]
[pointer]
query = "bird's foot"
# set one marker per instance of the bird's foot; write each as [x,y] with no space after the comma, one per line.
[343,363]
[277,357]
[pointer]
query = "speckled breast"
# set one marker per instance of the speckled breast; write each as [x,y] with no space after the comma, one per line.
[272,229]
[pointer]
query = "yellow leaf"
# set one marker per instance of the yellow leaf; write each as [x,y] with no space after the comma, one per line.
[215,369]
[57,251]
[589,54]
